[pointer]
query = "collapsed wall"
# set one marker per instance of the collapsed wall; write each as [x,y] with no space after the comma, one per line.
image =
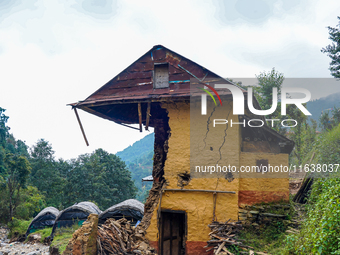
[162,134]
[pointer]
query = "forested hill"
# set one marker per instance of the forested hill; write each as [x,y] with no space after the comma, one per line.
[139,160]
[137,150]
[317,106]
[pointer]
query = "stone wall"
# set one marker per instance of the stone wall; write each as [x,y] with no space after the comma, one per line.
[263,214]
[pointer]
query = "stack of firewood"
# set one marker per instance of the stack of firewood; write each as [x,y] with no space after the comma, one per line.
[119,237]
[222,235]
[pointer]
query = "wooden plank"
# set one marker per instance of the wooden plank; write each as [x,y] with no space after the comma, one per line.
[201,190]
[148,116]
[81,126]
[140,117]
[220,248]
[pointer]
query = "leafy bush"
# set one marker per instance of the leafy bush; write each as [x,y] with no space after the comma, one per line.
[320,232]
[62,237]
[29,203]
[32,203]
[18,227]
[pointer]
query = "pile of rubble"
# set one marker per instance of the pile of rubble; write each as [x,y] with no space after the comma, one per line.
[262,215]
[7,247]
[119,237]
[24,248]
[3,233]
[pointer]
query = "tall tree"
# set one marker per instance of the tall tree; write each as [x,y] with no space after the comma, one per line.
[328,122]
[3,128]
[16,175]
[45,176]
[16,200]
[333,50]
[264,93]
[100,177]
[3,135]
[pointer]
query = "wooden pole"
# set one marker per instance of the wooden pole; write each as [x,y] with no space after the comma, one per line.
[81,126]
[201,190]
[140,117]
[148,116]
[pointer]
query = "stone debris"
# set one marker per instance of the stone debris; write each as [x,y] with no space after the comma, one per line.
[258,215]
[119,237]
[3,233]
[18,248]
[34,238]
[84,239]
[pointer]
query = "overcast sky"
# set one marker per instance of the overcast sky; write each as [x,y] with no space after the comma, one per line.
[57,52]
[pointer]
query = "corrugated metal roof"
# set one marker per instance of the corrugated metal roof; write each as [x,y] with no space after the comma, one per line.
[147,178]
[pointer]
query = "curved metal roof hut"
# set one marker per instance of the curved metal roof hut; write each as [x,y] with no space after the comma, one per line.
[131,209]
[75,213]
[45,218]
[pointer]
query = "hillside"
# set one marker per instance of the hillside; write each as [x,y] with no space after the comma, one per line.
[137,150]
[139,159]
[317,106]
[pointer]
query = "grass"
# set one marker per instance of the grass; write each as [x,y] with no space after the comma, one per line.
[264,238]
[270,237]
[46,232]
[18,227]
[62,237]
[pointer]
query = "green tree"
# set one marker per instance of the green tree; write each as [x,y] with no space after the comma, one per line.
[3,128]
[100,177]
[300,132]
[3,135]
[328,122]
[266,82]
[325,121]
[264,93]
[333,50]
[31,202]
[16,175]
[45,174]
[16,200]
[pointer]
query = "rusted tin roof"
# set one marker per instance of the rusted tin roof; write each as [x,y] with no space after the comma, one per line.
[133,88]
[135,83]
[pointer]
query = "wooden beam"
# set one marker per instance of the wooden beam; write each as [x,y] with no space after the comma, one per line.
[201,190]
[140,117]
[148,116]
[81,126]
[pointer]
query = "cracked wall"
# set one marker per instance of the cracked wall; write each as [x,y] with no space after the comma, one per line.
[197,205]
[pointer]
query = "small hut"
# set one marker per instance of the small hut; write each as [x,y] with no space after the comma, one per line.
[131,209]
[75,213]
[45,218]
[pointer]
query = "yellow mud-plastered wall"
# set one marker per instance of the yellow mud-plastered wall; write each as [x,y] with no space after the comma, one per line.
[197,205]
[268,186]
[221,144]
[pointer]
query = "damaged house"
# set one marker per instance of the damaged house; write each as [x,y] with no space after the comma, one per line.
[155,91]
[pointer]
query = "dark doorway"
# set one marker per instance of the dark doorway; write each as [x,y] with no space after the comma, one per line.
[173,225]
